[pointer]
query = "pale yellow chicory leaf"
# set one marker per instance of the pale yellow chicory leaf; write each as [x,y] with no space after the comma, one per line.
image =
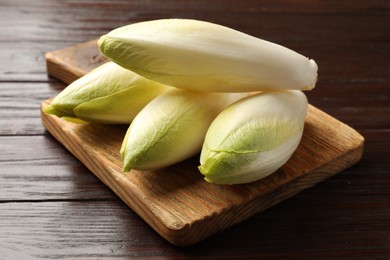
[203,56]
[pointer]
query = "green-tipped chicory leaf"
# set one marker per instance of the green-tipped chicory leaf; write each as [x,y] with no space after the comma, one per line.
[108,94]
[203,56]
[171,128]
[253,137]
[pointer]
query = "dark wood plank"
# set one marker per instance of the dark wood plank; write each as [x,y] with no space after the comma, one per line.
[28,150]
[313,228]
[363,105]
[19,106]
[54,230]
[38,168]
[50,183]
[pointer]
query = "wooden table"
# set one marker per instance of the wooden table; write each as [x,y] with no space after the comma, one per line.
[51,206]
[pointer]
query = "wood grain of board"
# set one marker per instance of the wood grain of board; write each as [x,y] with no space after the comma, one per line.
[176,201]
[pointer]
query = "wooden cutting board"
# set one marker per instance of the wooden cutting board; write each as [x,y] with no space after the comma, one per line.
[176,201]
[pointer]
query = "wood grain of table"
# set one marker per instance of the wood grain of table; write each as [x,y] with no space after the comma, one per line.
[51,206]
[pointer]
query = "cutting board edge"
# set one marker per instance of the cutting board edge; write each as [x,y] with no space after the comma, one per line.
[305,181]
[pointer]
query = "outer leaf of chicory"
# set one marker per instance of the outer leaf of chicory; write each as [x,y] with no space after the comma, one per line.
[203,56]
[253,137]
[171,128]
[108,94]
